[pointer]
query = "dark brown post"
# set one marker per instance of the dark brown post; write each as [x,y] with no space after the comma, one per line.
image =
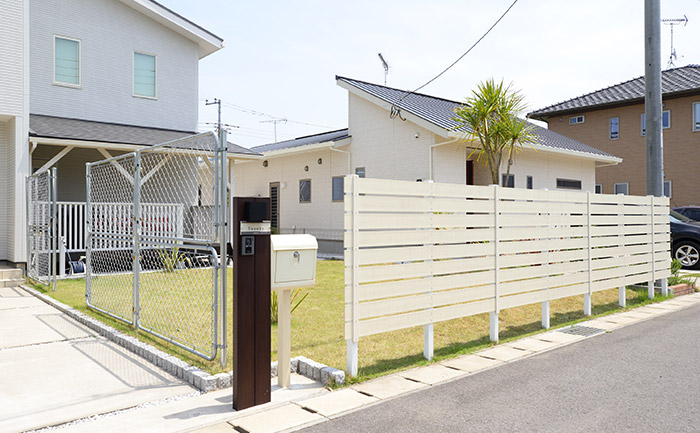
[251,307]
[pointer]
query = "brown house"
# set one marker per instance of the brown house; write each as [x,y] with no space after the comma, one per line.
[612,119]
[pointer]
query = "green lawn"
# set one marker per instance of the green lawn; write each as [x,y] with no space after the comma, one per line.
[317,325]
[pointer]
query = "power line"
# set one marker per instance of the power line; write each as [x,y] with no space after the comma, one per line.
[259,113]
[465,53]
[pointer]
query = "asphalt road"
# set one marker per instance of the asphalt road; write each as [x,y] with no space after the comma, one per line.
[641,378]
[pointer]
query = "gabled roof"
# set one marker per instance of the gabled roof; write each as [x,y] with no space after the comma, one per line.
[674,82]
[207,41]
[62,128]
[324,137]
[440,112]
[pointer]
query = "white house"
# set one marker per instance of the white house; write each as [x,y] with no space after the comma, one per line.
[82,81]
[395,135]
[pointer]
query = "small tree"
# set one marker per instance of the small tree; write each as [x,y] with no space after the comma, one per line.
[490,115]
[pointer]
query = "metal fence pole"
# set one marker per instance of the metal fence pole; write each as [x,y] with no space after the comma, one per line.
[223,236]
[88,230]
[54,226]
[28,194]
[136,228]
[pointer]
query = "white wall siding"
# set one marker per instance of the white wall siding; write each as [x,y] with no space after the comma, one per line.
[450,163]
[11,57]
[387,148]
[546,168]
[110,32]
[252,179]
[5,210]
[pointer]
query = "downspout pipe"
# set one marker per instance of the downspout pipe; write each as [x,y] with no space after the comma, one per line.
[430,154]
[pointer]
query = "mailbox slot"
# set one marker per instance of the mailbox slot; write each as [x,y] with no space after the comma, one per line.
[293,260]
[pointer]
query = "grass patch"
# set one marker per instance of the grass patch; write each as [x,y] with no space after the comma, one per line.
[317,326]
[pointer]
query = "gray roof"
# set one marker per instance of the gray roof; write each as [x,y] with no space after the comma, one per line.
[440,112]
[87,130]
[674,82]
[324,137]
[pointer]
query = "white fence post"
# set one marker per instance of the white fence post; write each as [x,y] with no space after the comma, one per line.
[545,304]
[493,316]
[428,340]
[62,257]
[622,290]
[352,355]
[587,296]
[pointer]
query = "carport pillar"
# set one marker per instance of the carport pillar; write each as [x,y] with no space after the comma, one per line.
[587,304]
[622,296]
[545,314]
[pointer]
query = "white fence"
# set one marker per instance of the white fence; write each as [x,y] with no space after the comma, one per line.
[421,253]
[160,219]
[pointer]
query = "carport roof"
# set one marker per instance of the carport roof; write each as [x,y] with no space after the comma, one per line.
[87,130]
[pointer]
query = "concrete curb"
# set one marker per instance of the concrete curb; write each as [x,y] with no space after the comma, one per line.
[195,376]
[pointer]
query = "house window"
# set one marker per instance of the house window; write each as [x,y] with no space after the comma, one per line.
[144,75]
[360,171]
[667,189]
[622,188]
[66,61]
[575,120]
[305,191]
[614,128]
[598,188]
[338,188]
[510,183]
[568,184]
[529,182]
[696,116]
[665,121]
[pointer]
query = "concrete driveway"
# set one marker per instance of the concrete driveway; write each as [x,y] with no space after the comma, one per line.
[55,370]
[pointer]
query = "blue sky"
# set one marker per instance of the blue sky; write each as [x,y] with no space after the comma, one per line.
[281,57]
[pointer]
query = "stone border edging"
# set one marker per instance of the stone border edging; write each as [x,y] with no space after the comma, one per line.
[195,376]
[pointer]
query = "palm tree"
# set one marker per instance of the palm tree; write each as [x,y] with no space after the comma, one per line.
[490,115]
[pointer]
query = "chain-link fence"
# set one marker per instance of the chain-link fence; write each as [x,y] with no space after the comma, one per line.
[154,224]
[41,227]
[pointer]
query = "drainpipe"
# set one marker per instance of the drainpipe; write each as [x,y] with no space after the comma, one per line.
[345,152]
[430,153]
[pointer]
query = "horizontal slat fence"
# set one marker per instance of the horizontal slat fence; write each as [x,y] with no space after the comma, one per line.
[420,253]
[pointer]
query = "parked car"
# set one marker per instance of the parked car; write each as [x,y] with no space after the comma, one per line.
[685,240]
[692,212]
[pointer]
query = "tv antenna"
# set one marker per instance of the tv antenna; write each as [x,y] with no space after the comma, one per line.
[275,122]
[386,67]
[674,22]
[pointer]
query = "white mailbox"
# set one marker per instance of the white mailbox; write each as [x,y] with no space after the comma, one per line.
[293,261]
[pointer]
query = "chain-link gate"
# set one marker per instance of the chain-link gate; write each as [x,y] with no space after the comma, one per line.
[41,227]
[154,224]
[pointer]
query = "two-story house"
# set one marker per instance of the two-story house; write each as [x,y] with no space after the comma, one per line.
[394,135]
[612,119]
[81,81]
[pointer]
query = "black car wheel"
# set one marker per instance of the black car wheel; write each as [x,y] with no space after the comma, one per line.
[688,253]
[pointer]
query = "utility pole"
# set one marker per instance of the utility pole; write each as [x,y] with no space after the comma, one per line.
[652,97]
[218,123]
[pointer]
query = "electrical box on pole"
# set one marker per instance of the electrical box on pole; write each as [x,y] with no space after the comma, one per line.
[251,302]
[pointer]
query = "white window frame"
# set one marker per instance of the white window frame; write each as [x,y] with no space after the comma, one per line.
[696,116]
[610,128]
[670,188]
[133,75]
[80,63]
[626,185]
[576,120]
[642,122]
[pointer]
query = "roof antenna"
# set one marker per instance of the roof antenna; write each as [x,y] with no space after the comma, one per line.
[386,67]
[674,22]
